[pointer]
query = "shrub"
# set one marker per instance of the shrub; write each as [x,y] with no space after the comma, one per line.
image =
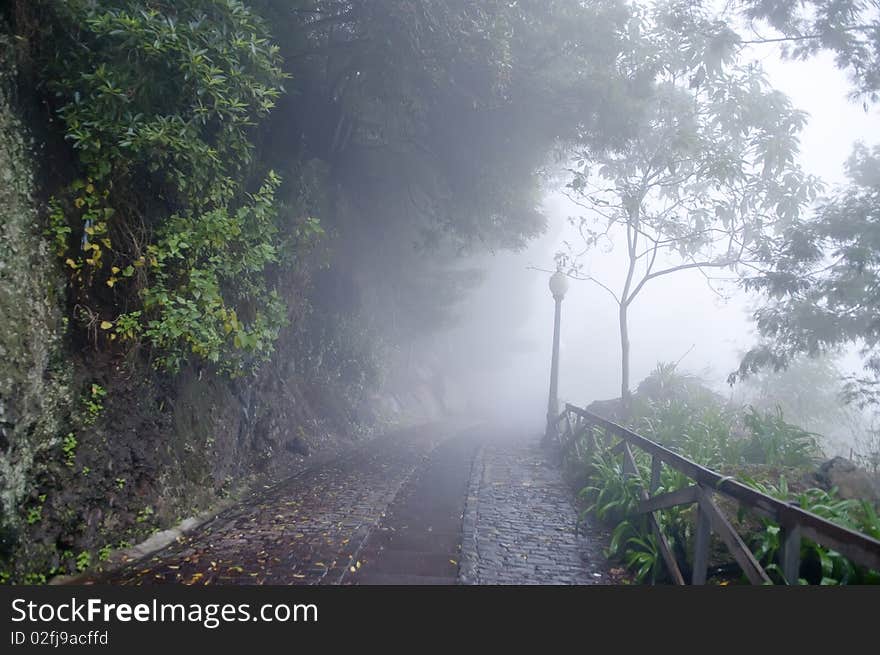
[775,442]
[159,235]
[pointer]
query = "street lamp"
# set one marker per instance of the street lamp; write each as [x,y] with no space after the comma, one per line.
[558,287]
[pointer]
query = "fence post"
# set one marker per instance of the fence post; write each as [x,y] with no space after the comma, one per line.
[701,547]
[790,553]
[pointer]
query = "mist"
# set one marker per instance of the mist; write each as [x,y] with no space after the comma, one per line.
[499,350]
[439,292]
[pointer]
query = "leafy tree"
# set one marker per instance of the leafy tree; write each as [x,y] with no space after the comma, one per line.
[823,289]
[434,119]
[821,282]
[426,125]
[848,28]
[710,177]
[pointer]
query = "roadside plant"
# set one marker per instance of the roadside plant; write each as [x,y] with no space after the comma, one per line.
[612,496]
[775,442]
[819,564]
[161,235]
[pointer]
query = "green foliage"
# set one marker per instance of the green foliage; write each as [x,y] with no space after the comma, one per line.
[819,565]
[814,307]
[675,410]
[462,100]
[68,447]
[820,282]
[35,513]
[701,432]
[93,403]
[32,578]
[433,118]
[612,496]
[643,557]
[710,176]
[58,231]
[775,442]
[144,515]
[209,295]
[159,104]
[179,103]
[90,205]
[811,394]
[678,412]
[83,560]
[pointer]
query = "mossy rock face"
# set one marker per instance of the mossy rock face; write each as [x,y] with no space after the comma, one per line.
[34,379]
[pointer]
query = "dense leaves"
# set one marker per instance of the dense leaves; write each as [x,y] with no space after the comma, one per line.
[196,258]
[195,77]
[428,124]
[820,279]
[162,240]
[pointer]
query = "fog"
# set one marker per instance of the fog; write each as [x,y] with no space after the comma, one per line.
[498,355]
[274,305]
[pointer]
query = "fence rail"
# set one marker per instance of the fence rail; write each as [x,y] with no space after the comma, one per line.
[586,431]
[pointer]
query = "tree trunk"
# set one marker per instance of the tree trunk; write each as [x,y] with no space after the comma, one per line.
[625,399]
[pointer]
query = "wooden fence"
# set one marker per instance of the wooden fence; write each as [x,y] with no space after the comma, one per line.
[584,430]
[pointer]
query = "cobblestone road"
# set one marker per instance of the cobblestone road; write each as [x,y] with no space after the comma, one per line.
[519,525]
[426,505]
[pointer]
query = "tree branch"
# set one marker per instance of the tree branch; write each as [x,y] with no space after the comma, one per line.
[573,276]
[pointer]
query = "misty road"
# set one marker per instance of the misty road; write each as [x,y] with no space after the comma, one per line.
[427,505]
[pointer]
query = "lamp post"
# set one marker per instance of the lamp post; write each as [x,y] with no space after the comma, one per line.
[558,287]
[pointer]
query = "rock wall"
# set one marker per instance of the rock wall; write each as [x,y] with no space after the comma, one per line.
[35,394]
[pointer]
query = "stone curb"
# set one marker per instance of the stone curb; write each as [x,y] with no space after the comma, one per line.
[470,556]
[150,545]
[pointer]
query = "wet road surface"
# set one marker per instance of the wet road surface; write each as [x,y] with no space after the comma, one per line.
[427,505]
